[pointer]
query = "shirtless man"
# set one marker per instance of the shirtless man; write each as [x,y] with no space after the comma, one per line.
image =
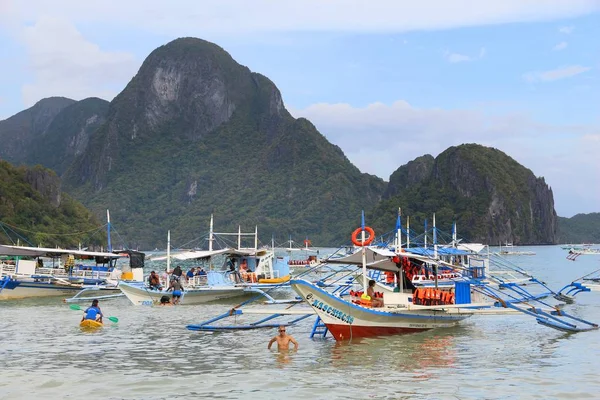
[283,340]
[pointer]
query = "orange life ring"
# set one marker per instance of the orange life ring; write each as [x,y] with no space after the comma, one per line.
[368,241]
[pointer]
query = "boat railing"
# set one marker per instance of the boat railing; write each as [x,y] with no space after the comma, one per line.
[7,269]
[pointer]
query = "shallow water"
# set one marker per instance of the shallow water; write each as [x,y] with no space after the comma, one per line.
[150,355]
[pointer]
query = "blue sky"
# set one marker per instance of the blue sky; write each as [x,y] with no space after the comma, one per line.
[413,77]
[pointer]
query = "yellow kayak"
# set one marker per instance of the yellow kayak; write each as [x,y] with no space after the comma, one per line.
[275,280]
[90,324]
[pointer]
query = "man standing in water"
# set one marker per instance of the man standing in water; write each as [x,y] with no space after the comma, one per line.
[283,340]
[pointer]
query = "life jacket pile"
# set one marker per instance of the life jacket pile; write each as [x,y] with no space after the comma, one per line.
[428,296]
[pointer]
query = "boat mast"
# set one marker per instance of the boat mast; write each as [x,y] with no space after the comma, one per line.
[425,233]
[108,230]
[239,237]
[399,248]
[255,237]
[407,232]
[364,253]
[168,253]
[210,234]
[435,253]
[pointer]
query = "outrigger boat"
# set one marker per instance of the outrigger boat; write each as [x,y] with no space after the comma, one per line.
[23,278]
[24,272]
[349,314]
[219,283]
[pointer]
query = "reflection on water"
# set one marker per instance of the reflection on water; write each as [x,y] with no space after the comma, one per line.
[150,355]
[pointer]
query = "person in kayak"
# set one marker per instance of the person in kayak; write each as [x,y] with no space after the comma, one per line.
[94,313]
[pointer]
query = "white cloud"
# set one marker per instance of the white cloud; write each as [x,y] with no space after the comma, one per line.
[64,63]
[555,74]
[200,18]
[379,138]
[560,46]
[457,57]
[567,30]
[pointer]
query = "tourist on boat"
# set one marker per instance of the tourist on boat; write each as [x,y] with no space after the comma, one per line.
[200,272]
[154,281]
[244,270]
[232,272]
[283,340]
[177,272]
[94,313]
[190,274]
[177,290]
[375,301]
[165,301]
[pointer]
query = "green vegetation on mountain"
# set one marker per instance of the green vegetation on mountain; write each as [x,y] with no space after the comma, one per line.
[67,135]
[195,133]
[581,228]
[34,211]
[492,198]
[19,132]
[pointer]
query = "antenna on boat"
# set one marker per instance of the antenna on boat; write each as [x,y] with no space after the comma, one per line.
[239,237]
[255,237]
[108,230]
[210,234]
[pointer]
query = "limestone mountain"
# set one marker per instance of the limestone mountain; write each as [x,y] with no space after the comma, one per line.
[492,197]
[196,133]
[18,132]
[34,210]
[68,134]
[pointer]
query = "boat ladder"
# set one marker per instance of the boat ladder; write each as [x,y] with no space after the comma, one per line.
[319,328]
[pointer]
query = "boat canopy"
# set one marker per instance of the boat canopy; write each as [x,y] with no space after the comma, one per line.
[10,250]
[441,251]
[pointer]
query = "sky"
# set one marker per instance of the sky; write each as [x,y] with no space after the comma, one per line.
[385,80]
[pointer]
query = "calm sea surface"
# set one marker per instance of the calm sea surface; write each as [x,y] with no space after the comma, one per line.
[150,355]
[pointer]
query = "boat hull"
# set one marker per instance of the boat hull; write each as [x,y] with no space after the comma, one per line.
[17,289]
[346,320]
[90,324]
[140,295]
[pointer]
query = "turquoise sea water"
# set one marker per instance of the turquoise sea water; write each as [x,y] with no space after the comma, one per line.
[150,355]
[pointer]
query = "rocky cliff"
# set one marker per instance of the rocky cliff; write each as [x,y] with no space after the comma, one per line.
[493,198]
[196,133]
[18,133]
[67,135]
